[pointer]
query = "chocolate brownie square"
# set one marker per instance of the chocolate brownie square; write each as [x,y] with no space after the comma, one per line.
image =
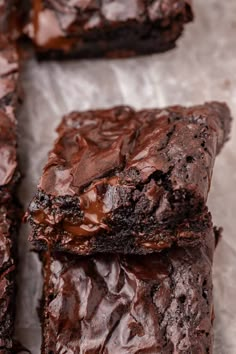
[120,180]
[115,28]
[158,303]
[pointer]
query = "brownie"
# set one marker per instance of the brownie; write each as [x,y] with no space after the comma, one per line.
[119,180]
[130,304]
[114,28]
[9,175]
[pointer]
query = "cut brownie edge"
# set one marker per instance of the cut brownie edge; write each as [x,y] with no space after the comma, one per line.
[190,232]
[159,41]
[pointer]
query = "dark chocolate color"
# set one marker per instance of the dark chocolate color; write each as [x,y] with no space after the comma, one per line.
[125,181]
[116,28]
[9,211]
[112,304]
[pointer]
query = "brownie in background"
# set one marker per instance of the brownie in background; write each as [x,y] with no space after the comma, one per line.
[113,28]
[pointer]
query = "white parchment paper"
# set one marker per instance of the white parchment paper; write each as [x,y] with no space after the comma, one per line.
[202,68]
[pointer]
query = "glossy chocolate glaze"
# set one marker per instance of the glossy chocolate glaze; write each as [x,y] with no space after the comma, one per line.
[94,144]
[130,304]
[77,26]
[124,171]
[9,213]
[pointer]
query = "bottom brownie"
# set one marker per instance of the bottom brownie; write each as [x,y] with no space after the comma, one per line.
[160,303]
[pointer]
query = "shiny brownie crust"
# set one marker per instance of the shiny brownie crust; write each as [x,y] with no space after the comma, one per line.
[119,180]
[160,303]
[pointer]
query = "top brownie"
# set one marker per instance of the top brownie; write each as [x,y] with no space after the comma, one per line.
[142,175]
[108,27]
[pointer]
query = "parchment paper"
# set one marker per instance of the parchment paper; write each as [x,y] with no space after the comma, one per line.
[202,68]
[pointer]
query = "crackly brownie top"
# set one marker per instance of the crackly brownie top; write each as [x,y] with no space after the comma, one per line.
[56,19]
[131,304]
[8,83]
[123,147]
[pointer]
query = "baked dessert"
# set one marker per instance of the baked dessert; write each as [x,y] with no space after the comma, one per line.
[9,175]
[160,303]
[118,180]
[114,28]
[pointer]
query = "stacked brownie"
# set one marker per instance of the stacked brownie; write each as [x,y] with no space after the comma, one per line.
[9,175]
[120,217]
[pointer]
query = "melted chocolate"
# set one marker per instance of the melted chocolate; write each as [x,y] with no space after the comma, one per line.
[131,146]
[125,304]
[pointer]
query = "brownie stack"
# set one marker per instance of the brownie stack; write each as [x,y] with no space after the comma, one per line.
[127,242]
[9,175]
